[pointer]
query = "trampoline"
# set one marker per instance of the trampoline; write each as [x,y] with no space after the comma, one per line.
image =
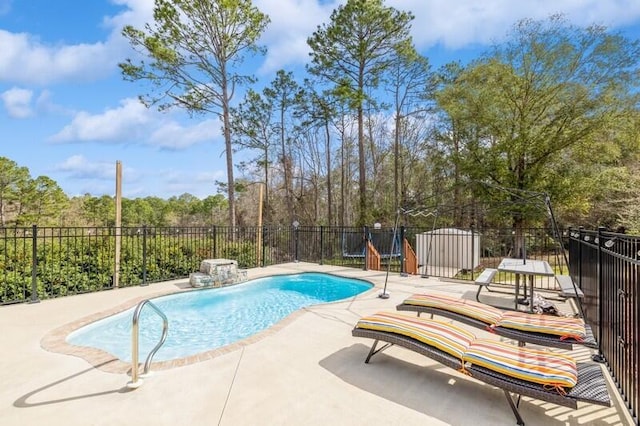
[354,243]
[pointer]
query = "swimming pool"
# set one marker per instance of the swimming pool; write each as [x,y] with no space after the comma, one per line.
[207,319]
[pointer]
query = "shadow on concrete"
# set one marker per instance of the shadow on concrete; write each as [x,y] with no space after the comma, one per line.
[425,386]
[22,402]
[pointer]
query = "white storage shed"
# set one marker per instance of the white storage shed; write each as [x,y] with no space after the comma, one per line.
[448,247]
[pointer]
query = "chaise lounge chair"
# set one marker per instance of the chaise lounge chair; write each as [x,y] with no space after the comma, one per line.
[545,330]
[542,375]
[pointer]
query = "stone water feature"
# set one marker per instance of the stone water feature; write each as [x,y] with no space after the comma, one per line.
[217,273]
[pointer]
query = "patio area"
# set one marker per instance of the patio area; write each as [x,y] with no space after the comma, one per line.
[307,370]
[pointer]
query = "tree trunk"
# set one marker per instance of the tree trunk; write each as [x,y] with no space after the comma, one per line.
[396,155]
[343,195]
[228,150]
[265,207]
[362,181]
[287,169]
[329,168]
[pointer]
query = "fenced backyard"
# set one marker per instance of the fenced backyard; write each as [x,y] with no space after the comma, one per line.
[42,263]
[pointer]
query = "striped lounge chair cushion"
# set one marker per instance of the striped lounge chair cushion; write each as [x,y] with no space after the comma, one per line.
[543,367]
[479,311]
[547,324]
[446,337]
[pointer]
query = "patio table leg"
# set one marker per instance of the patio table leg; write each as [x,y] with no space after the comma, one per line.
[531,278]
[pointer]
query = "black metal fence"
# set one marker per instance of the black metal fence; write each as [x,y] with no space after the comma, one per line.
[606,266]
[41,263]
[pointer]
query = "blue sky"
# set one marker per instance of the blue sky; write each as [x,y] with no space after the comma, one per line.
[66,112]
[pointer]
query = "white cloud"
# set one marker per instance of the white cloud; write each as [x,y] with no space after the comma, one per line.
[173,135]
[123,124]
[23,103]
[453,24]
[133,123]
[26,60]
[137,13]
[96,177]
[77,166]
[292,22]
[460,23]
[44,103]
[17,102]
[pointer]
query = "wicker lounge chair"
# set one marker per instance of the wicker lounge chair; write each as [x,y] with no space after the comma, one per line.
[590,386]
[550,340]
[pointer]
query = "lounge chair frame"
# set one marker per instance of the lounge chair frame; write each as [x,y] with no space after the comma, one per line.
[521,336]
[591,386]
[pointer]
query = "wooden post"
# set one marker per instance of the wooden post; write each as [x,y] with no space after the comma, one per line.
[118,244]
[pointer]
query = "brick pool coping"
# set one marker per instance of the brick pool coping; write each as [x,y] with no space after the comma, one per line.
[55,340]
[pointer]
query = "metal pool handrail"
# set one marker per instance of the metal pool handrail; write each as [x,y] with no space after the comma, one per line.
[135,382]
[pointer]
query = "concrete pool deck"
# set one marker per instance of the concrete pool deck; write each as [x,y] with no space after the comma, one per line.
[308,370]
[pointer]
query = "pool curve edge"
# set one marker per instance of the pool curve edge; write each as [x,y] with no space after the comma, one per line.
[55,340]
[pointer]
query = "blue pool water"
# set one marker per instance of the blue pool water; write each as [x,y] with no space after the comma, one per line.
[207,319]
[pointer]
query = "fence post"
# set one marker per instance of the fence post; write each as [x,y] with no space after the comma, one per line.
[34,265]
[599,285]
[473,250]
[365,237]
[580,235]
[117,255]
[321,244]
[258,250]
[144,254]
[262,246]
[215,241]
[295,236]
[403,255]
